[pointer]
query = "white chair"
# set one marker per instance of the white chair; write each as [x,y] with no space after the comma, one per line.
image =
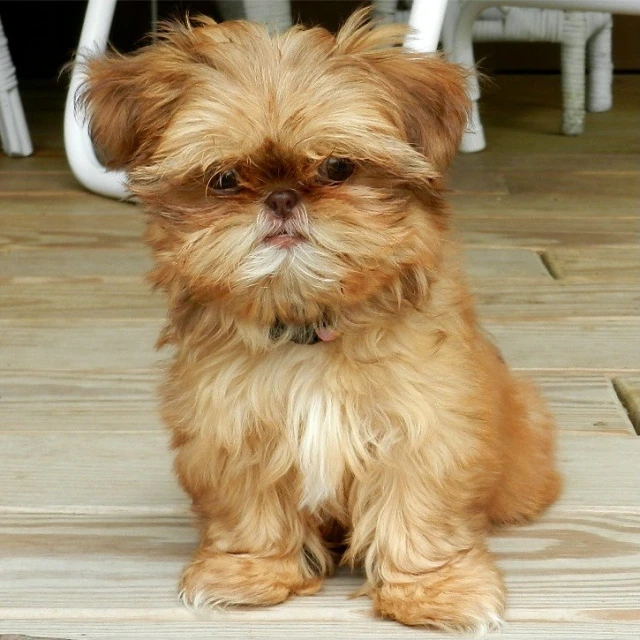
[13,125]
[427,15]
[579,33]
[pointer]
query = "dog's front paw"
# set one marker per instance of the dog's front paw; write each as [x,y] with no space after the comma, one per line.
[465,596]
[220,580]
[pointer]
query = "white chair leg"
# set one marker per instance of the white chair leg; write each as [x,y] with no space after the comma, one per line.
[449,26]
[473,140]
[80,154]
[573,72]
[14,132]
[275,13]
[425,20]
[600,79]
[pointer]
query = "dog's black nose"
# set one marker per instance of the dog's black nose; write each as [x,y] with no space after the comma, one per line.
[282,202]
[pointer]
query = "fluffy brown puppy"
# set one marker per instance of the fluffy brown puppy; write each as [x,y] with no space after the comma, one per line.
[329,375]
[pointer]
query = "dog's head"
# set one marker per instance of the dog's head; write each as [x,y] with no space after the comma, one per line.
[287,177]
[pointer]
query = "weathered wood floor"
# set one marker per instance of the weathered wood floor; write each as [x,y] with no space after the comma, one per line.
[93,531]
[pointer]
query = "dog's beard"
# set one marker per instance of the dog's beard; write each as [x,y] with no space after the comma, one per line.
[304,265]
[259,279]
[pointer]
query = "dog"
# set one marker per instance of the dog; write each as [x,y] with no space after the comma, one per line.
[331,396]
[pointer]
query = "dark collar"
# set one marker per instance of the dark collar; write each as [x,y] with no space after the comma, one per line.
[300,334]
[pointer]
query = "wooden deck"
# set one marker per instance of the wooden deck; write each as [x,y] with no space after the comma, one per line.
[93,530]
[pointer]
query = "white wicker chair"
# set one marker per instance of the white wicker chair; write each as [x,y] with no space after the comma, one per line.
[13,126]
[579,33]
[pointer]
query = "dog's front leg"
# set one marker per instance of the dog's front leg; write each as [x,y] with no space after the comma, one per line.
[256,547]
[419,530]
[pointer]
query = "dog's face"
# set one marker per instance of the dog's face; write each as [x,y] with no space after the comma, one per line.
[289,178]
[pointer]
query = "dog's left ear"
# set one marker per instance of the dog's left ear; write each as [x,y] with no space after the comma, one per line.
[430,94]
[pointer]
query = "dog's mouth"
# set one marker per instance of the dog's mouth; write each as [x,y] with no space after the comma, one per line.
[284,239]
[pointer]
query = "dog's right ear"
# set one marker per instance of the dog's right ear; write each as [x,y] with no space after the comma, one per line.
[128,101]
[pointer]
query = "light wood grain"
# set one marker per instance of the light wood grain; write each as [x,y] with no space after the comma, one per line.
[235,627]
[101,472]
[583,403]
[17,212]
[51,183]
[541,233]
[74,263]
[545,205]
[491,263]
[628,388]
[608,264]
[38,224]
[40,162]
[106,567]
[601,186]
[505,299]
[79,344]
[111,299]
[595,344]
[498,161]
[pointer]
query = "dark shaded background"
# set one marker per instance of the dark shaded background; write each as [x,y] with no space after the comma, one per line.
[43,34]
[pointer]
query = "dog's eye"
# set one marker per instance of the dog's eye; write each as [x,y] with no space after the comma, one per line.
[336,169]
[227,181]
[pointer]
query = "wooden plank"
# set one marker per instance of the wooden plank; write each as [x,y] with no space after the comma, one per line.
[628,389]
[606,264]
[122,472]
[36,223]
[88,472]
[569,343]
[464,181]
[494,160]
[93,299]
[79,401]
[61,213]
[505,299]
[584,403]
[52,183]
[40,162]
[236,627]
[127,568]
[549,181]
[482,263]
[90,386]
[74,263]
[86,344]
[545,206]
[613,187]
[540,233]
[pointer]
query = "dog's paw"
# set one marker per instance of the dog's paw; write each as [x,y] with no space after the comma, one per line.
[464,596]
[224,580]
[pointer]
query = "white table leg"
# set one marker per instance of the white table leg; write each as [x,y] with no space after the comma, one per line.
[80,153]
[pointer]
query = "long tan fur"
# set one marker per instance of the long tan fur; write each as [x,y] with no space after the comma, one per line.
[406,437]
